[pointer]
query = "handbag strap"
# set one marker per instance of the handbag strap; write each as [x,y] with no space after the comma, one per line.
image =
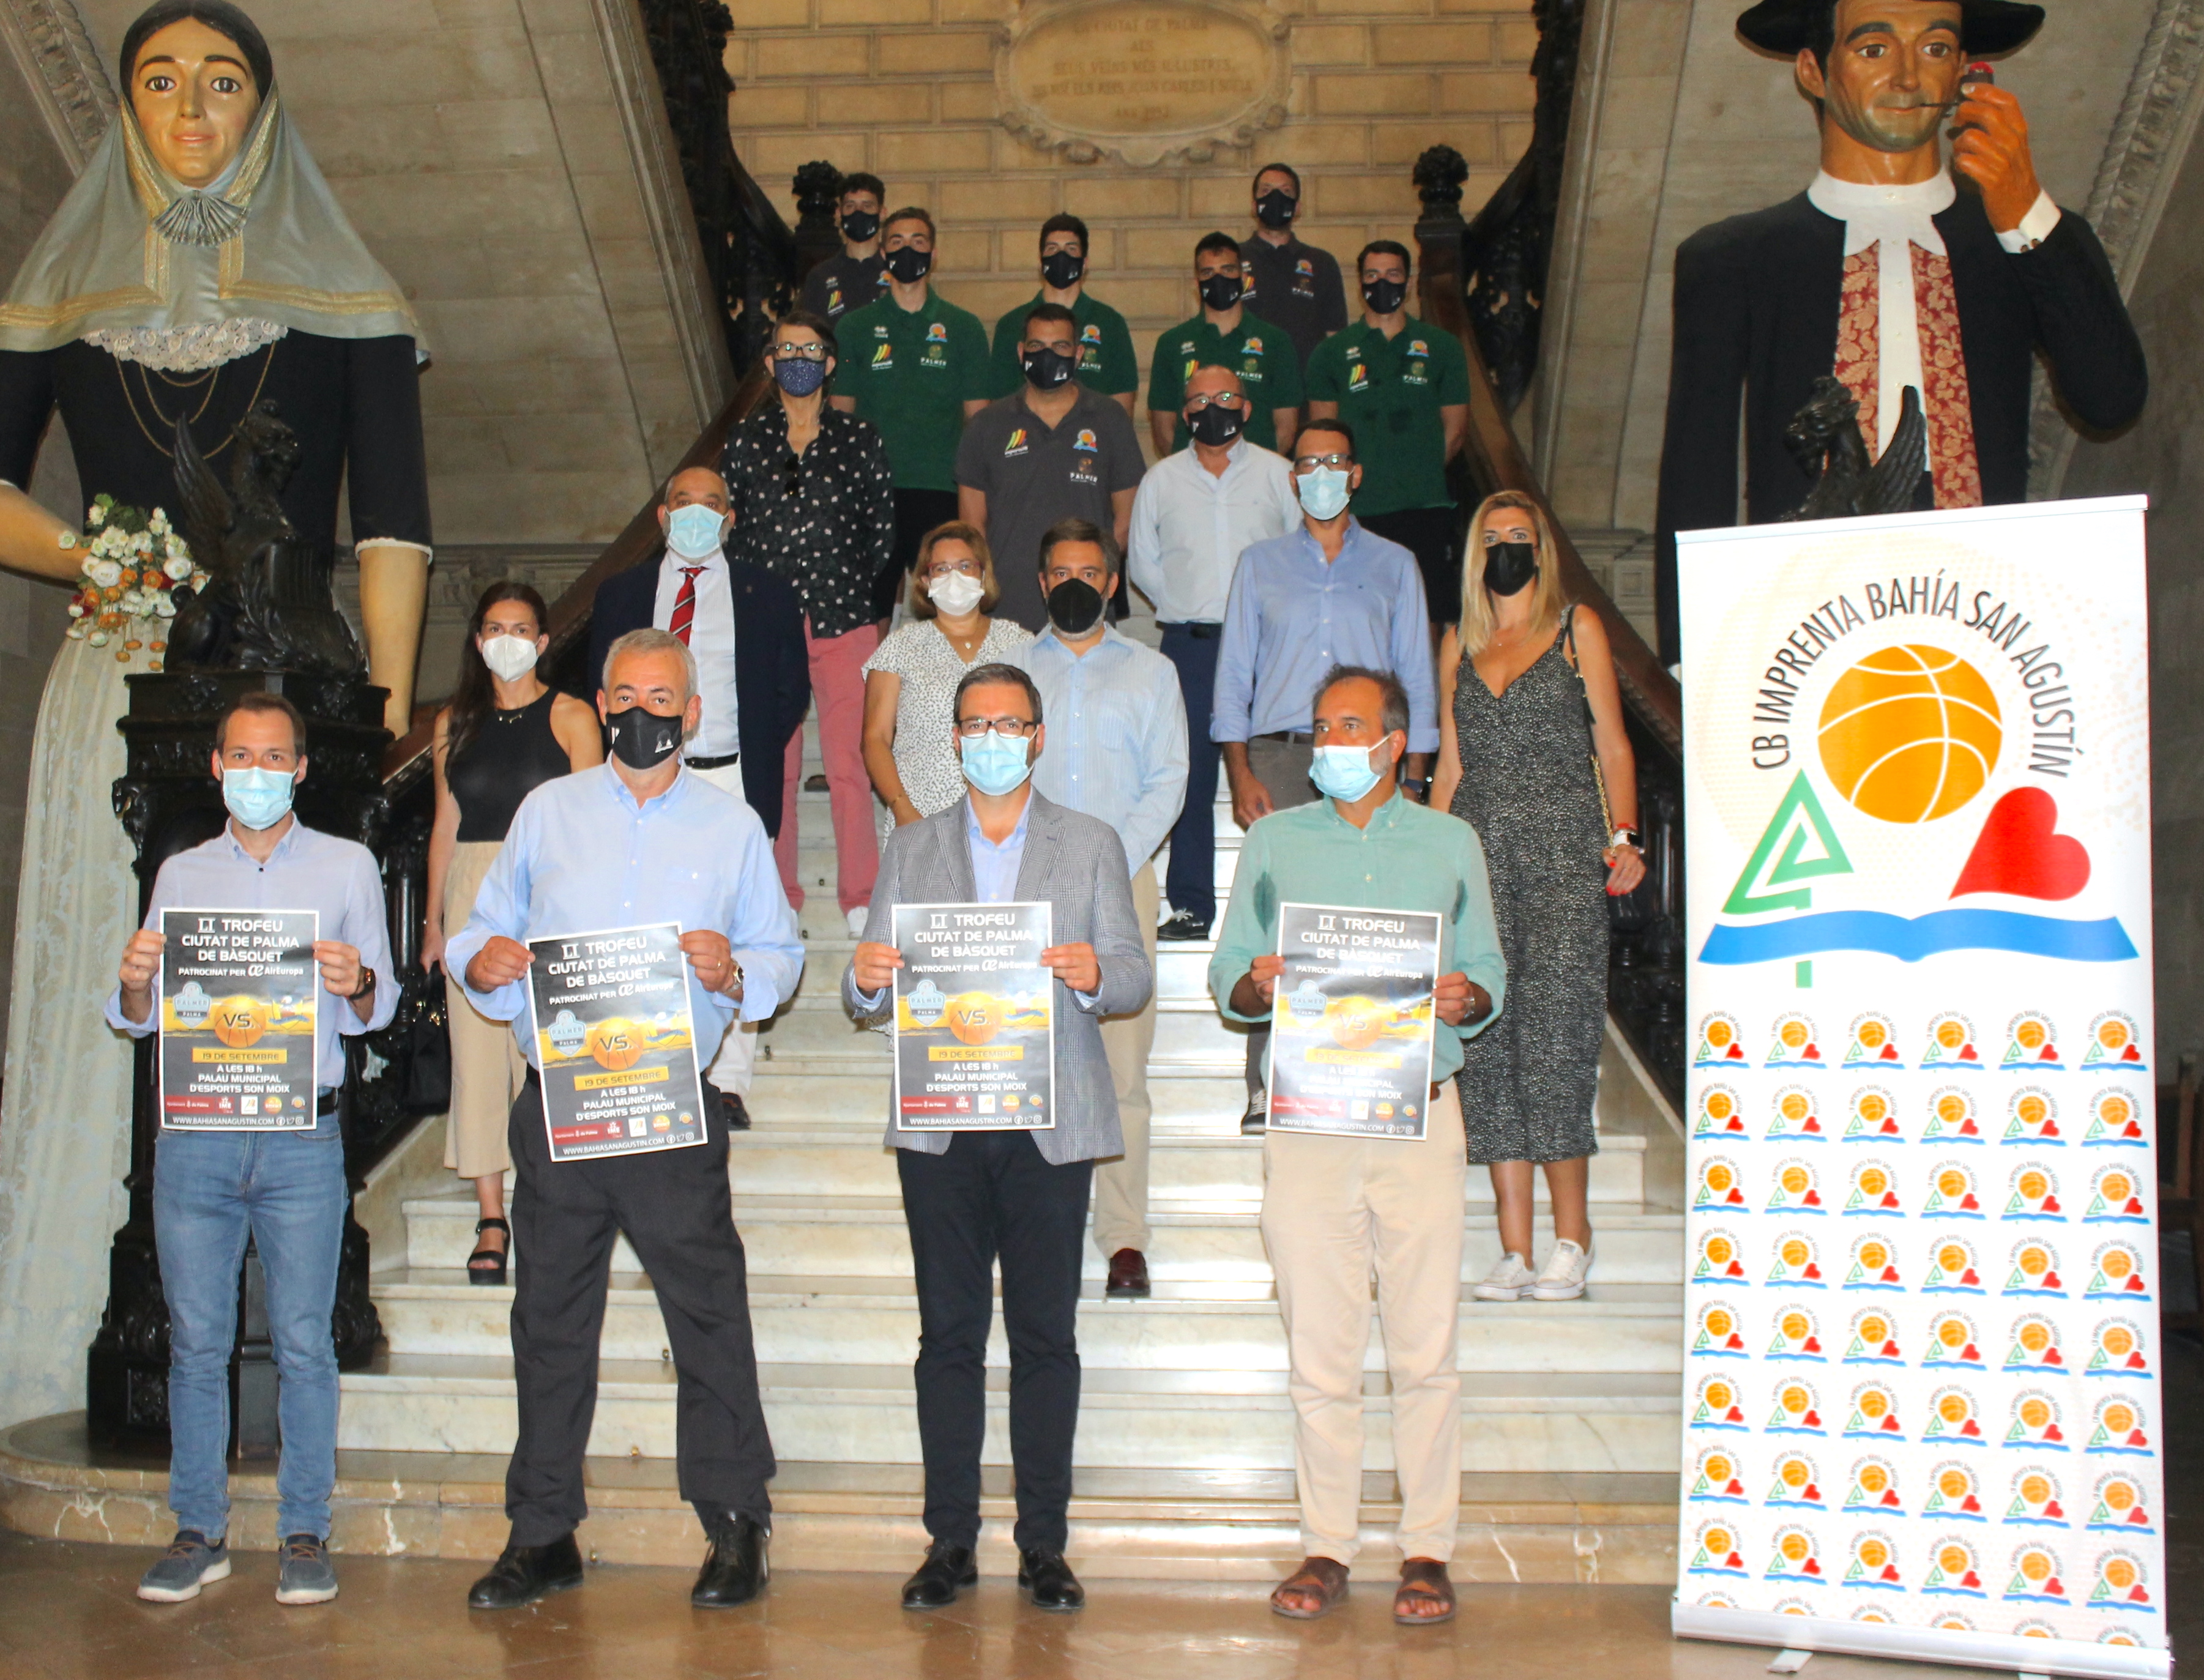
[1583,691]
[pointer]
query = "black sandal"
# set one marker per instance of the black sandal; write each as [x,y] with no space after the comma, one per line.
[492,1274]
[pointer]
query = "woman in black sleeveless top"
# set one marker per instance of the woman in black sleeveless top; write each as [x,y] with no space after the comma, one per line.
[503,736]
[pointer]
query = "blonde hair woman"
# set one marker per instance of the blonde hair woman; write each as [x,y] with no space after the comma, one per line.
[910,681]
[1527,699]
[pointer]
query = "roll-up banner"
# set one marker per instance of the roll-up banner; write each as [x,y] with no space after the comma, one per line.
[1922,1410]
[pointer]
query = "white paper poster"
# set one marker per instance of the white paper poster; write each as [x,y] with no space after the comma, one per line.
[1922,1366]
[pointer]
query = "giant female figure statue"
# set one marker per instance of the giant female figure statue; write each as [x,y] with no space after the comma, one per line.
[198,265]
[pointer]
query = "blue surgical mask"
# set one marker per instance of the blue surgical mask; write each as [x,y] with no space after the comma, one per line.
[1323,493]
[1343,773]
[693,532]
[995,763]
[257,798]
[798,377]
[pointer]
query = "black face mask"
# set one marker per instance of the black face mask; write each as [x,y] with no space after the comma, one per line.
[1075,606]
[1275,209]
[858,226]
[643,740]
[1385,297]
[1509,565]
[1061,269]
[909,264]
[1220,292]
[1044,369]
[1216,426]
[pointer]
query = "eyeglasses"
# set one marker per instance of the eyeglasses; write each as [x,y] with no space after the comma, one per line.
[792,474]
[1218,400]
[970,568]
[800,352]
[1339,463]
[973,728]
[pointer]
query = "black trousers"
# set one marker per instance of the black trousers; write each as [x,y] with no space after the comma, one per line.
[992,1194]
[916,512]
[1429,534]
[566,1216]
[1190,883]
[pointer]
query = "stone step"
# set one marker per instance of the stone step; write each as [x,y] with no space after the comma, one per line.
[863,1236]
[1617,1327]
[1239,1525]
[1212,1420]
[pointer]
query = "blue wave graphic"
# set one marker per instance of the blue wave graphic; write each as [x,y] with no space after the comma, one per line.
[2104,941]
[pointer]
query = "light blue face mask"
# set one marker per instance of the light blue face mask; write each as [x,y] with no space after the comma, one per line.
[693,532]
[1343,773]
[257,798]
[995,763]
[1323,493]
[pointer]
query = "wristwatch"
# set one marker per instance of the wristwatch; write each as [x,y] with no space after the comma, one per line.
[1626,837]
[734,986]
[1419,786]
[366,984]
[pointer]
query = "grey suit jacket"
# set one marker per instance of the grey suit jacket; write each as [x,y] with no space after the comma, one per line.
[1076,864]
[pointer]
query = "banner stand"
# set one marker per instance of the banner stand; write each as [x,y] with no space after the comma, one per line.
[2015,1653]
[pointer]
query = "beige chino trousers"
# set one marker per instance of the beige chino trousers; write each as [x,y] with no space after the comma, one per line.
[1335,1210]
[1121,1187]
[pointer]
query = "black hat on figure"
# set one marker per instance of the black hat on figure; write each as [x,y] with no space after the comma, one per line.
[1789,26]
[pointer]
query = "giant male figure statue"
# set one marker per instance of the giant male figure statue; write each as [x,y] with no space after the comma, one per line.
[1888,272]
[200,264]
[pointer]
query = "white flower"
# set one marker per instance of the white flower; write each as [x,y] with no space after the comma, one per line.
[98,638]
[163,607]
[105,573]
[96,515]
[159,523]
[142,543]
[76,609]
[179,566]
[68,539]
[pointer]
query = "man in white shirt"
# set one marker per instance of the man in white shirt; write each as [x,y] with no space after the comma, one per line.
[1196,512]
[744,629]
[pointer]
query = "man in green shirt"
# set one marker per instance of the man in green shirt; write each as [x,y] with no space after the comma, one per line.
[1337,1207]
[916,367]
[1106,363]
[1225,335]
[1404,387]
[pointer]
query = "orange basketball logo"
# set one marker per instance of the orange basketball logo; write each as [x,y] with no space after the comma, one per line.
[240,1021]
[1354,1022]
[975,1017]
[1911,734]
[615,1043]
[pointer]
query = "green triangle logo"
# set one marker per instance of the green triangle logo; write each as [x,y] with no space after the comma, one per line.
[1798,844]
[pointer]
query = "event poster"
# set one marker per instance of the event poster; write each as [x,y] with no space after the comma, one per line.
[975,1043]
[1922,1412]
[239,993]
[613,1038]
[1351,1021]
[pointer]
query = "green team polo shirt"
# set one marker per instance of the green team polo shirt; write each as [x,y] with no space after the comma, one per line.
[1391,391]
[1262,355]
[1106,362]
[912,371]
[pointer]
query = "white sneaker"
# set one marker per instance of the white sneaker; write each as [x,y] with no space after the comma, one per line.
[857,921]
[1510,1280]
[1563,1277]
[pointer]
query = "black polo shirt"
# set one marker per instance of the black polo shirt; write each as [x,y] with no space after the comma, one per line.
[1033,475]
[843,283]
[1295,287]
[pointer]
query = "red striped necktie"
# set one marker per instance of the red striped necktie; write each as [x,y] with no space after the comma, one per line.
[684,605]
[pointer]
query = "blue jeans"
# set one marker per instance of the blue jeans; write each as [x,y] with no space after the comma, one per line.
[287,1191]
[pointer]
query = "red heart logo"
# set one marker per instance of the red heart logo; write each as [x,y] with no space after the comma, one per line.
[2020,852]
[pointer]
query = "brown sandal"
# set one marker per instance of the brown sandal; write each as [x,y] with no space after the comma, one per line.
[1423,1580]
[1325,1577]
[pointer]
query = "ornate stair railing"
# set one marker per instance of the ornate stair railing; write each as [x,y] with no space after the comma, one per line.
[1645,990]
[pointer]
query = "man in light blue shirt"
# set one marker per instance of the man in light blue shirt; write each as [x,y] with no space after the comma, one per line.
[1118,752]
[214,1187]
[640,839]
[1196,513]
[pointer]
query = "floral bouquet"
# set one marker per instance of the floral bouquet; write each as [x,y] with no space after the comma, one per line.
[137,572]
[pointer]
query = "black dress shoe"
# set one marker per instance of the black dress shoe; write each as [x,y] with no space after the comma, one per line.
[1181,925]
[1045,1582]
[947,1570]
[731,1110]
[524,1574]
[735,1569]
[1128,1276]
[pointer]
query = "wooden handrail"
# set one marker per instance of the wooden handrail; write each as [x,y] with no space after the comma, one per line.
[1647,687]
[636,542]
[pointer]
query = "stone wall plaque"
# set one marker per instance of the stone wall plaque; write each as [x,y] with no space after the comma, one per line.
[1142,81]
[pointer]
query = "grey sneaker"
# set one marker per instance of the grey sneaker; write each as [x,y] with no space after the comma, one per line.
[306,1576]
[191,1561]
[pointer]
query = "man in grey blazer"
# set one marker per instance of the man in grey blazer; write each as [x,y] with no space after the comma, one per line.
[970,1197]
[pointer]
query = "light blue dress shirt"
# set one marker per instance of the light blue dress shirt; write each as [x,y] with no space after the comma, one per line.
[1293,618]
[308,870]
[995,866]
[582,855]
[1190,527]
[1116,735]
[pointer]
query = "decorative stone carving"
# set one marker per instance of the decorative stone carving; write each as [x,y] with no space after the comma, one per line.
[1142,81]
[63,70]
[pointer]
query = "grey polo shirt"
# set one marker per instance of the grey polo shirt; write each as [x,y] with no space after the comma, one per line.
[1034,475]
